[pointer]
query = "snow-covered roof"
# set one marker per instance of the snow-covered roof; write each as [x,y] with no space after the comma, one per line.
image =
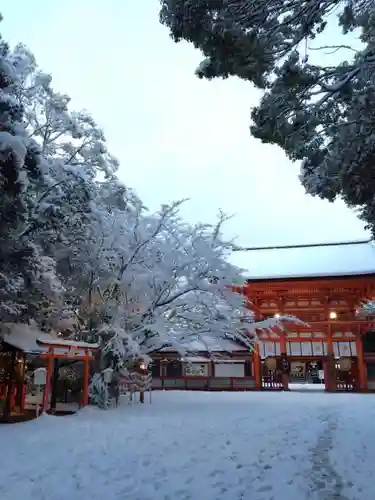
[31,340]
[208,344]
[66,343]
[201,359]
[196,359]
[25,337]
[309,261]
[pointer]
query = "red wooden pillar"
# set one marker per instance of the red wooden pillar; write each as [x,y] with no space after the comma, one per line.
[330,382]
[361,362]
[282,343]
[284,376]
[85,396]
[47,387]
[23,397]
[257,366]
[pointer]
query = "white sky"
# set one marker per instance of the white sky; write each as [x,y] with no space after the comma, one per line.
[176,136]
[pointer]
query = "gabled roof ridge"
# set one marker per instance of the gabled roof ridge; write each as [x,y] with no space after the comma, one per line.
[311,245]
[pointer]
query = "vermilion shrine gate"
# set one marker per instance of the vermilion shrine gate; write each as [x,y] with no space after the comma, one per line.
[324,286]
[58,349]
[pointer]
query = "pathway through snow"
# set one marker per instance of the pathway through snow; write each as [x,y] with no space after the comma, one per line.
[211,446]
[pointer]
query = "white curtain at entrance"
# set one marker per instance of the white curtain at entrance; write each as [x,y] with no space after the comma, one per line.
[269,349]
[344,349]
[307,348]
[317,348]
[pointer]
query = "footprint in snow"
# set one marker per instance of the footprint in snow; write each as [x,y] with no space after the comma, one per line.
[264,488]
[215,473]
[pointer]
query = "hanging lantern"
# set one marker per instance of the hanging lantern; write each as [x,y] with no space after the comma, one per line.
[345,364]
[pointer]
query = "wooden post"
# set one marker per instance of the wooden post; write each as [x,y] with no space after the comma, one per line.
[10,385]
[282,343]
[23,400]
[283,347]
[361,362]
[284,375]
[143,372]
[257,366]
[162,372]
[23,386]
[330,383]
[55,378]
[85,395]
[48,380]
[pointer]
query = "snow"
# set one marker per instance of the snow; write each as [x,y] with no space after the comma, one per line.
[17,146]
[196,359]
[347,259]
[208,343]
[202,359]
[24,337]
[196,445]
[229,361]
[67,343]
[30,339]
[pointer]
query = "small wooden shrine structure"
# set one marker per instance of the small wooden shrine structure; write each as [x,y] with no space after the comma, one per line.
[57,349]
[324,286]
[18,342]
[227,366]
[12,381]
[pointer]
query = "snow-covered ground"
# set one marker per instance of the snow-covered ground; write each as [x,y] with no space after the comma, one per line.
[200,446]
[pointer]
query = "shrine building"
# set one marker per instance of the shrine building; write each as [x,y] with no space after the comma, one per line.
[325,286]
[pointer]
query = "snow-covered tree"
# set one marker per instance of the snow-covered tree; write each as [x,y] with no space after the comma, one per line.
[152,272]
[63,218]
[80,249]
[318,109]
[367,309]
[70,136]
[27,278]
[162,282]
[74,147]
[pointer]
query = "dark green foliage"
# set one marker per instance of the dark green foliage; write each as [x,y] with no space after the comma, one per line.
[322,115]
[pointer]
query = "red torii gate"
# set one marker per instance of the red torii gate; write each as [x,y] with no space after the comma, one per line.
[67,349]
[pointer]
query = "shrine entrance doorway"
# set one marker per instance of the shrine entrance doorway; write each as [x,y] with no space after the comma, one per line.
[271,378]
[303,372]
[306,371]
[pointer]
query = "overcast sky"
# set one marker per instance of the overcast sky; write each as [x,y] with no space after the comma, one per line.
[176,136]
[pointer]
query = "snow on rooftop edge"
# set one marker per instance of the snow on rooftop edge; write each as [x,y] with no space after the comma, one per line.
[66,343]
[24,337]
[201,359]
[325,260]
[30,339]
[213,344]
